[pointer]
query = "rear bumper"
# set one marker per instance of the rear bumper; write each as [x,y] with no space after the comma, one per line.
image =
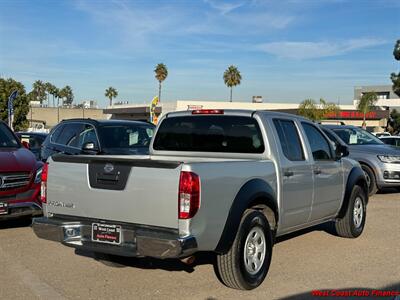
[136,240]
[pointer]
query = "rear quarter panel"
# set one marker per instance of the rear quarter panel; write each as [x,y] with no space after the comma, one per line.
[220,183]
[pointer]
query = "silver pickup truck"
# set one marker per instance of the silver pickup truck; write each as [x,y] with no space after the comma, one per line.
[228,181]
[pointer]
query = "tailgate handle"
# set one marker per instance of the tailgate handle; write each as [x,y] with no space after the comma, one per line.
[107,178]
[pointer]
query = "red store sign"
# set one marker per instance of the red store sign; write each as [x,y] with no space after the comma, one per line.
[353,114]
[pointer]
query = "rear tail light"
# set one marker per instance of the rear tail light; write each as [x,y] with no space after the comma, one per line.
[189,195]
[208,112]
[43,187]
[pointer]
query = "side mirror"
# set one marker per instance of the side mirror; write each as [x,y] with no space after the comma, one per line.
[26,145]
[90,148]
[341,151]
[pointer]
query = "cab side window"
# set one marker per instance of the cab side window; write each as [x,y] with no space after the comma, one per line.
[319,145]
[289,139]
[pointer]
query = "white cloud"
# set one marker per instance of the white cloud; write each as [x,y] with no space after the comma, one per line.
[308,50]
[224,7]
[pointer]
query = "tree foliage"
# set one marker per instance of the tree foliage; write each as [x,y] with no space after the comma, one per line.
[232,78]
[394,122]
[314,111]
[111,93]
[21,103]
[366,104]
[161,73]
[51,89]
[67,95]
[39,91]
[396,50]
[396,77]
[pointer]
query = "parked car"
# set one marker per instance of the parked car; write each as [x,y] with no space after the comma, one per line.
[380,162]
[34,140]
[87,136]
[391,140]
[20,178]
[223,181]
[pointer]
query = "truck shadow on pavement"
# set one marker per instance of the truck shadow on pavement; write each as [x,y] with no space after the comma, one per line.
[393,293]
[176,265]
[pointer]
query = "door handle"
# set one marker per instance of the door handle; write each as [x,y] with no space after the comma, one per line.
[288,173]
[317,171]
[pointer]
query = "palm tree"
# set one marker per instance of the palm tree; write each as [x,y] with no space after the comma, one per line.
[50,91]
[53,91]
[39,90]
[111,93]
[58,95]
[66,95]
[161,74]
[232,78]
[366,104]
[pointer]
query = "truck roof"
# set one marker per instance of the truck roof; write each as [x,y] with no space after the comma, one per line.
[233,112]
[107,121]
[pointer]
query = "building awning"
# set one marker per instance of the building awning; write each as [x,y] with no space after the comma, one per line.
[131,110]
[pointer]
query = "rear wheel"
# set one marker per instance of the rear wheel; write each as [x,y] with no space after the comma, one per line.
[246,264]
[371,180]
[352,224]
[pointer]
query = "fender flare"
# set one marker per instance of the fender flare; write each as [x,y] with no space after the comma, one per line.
[356,177]
[250,193]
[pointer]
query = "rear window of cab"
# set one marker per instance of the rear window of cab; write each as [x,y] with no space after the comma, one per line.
[228,134]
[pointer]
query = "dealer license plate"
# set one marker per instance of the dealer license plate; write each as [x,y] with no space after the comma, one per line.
[106,233]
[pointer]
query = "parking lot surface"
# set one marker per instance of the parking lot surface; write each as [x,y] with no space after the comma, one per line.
[310,260]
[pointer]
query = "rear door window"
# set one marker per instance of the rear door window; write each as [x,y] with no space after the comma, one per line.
[87,135]
[289,139]
[319,144]
[70,135]
[55,134]
[232,134]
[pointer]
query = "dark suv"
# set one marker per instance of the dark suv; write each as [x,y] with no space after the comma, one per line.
[87,136]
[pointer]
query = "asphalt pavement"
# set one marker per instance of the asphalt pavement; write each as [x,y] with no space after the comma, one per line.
[311,260]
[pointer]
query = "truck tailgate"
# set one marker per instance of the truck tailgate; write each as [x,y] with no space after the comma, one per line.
[140,191]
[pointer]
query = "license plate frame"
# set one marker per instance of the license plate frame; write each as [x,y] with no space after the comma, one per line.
[106,233]
[3,208]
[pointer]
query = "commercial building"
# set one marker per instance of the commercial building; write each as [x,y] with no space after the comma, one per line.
[348,113]
[387,99]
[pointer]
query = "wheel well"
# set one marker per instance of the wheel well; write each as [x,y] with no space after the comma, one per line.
[268,209]
[367,165]
[363,184]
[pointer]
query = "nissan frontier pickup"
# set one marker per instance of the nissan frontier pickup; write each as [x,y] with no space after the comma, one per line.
[221,181]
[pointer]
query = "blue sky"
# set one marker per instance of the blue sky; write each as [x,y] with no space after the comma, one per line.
[286,50]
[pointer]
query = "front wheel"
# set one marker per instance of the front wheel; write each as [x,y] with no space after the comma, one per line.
[246,264]
[353,222]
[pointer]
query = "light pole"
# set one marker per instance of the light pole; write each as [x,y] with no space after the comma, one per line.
[58,110]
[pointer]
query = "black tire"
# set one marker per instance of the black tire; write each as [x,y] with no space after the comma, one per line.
[347,226]
[371,180]
[231,266]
